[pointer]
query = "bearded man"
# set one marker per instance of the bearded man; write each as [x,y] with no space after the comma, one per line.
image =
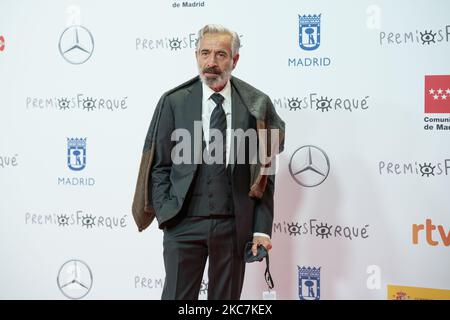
[209,209]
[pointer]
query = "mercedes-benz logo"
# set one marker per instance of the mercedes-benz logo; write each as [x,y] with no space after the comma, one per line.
[74,279]
[76,44]
[309,166]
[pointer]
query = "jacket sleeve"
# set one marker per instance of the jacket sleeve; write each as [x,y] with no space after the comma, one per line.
[264,207]
[162,165]
[263,219]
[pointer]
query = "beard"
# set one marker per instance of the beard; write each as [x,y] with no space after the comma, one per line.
[220,79]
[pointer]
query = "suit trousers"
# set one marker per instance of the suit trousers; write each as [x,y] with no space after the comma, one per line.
[188,245]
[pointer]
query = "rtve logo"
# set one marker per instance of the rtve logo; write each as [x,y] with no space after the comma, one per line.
[428,228]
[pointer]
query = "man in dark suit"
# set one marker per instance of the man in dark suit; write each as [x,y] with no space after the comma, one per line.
[209,209]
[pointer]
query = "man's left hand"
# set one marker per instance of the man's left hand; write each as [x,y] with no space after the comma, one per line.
[265,241]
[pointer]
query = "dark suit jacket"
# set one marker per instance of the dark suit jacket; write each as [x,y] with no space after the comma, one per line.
[167,184]
[171,182]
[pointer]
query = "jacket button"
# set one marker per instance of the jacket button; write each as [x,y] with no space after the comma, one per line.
[211,207]
[210,195]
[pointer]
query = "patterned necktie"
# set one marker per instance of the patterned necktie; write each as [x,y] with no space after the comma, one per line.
[218,121]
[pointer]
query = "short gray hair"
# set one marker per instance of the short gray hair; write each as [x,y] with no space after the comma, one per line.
[216,28]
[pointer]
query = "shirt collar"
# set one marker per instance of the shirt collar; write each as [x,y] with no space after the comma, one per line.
[225,92]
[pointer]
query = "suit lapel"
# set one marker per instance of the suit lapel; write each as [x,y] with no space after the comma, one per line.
[239,120]
[193,114]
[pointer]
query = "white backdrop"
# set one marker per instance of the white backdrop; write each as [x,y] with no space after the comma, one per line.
[362,105]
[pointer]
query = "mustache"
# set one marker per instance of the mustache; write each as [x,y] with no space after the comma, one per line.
[212,70]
